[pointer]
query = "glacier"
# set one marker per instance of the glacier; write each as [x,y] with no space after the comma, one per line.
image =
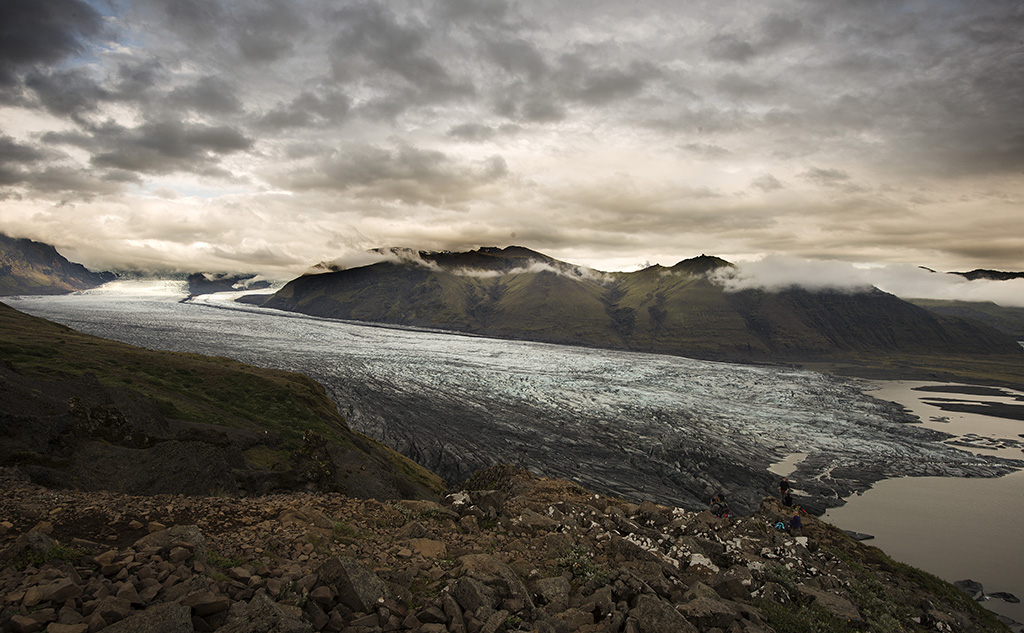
[640,426]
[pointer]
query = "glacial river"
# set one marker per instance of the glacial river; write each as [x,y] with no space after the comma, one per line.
[641,426]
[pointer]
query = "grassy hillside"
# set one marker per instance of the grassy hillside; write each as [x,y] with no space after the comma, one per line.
[1009,320]
[199,391]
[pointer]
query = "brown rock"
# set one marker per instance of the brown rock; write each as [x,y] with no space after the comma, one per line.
[241,574]
[168,617]
[492,571]
[179,555]
[428,548]
[358,588]
[59,591]
[494,622]
[206,603]
[707,613]
[67,628]
[128,592]
[23,624]
[112,609]
[576,618]
[655,616]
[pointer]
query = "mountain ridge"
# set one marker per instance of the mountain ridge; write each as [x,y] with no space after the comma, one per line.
[30,267]
[517,293]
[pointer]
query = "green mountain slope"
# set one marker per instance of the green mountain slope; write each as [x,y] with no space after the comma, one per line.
[1006,319]
[80,411]
[28,267]
[517,293]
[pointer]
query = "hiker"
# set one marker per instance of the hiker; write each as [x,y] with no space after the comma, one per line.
[719,507]
[795,524]
[787,500]
[784,487]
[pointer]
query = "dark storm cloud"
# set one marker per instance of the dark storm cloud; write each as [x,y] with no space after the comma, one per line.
[602,86]
[68,92]
[266,33]
[135,80]
[479,132]
[517,57]
[157,147]
[477,11]
[472,132]
[211,95]
[42,32]
[195,19]
[404,173]
[327,107]
[766,126]
[372,40]
[11,151]
[729,47]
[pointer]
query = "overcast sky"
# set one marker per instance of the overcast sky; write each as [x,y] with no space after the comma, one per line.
[266,136]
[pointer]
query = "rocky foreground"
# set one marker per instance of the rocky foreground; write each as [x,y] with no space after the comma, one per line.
[510,552]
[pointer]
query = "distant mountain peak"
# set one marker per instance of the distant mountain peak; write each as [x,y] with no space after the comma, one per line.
[702,264]
[991,275]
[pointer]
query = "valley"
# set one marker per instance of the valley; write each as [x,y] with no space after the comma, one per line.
[641,426]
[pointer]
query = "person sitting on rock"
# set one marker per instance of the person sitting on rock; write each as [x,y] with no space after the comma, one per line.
[719,507]
[795,524]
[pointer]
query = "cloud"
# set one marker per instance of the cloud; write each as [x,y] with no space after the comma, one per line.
[776,272]
[826,177]
[767,182]
[412,175]
[371,40]
[157,147]
[68,92]
[211,95]
[730,47]
[34,33]
[865,131]
[12,151]
[328,106]
[267,33]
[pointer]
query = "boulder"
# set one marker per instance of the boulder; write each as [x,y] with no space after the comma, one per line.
[168,617]
[472,594]
[496,574]
[706,613]
[175,536]
[428,548]
[553,592]
[358,588]
[656,616]
[263,615]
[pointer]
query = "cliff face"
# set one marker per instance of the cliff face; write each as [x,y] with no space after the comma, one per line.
[28,267]
[508,552]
